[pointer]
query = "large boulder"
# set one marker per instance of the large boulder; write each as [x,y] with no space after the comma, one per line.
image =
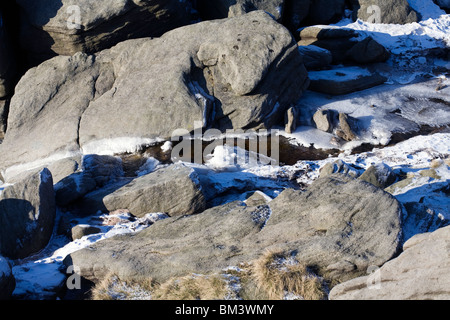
[7,281]
[174,190]
[241,72]
[27,215]
[55,27]
[339,226]
[421,272]
[385,11]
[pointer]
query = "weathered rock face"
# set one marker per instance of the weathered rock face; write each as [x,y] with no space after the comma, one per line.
[52,27]
[242,72]
[7,281]
[385,11]
[27,214]
[174,190]
[421,272]
[342,227]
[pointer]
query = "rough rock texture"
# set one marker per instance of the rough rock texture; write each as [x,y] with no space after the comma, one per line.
[341,228]
[421,272]
[390,11]
[27,215]
[242,72]
[174,190]
[64,27]
[380,175]
[7,281]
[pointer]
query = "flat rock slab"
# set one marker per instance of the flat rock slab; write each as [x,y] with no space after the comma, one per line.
[340,226]
[344,80]
[174,190]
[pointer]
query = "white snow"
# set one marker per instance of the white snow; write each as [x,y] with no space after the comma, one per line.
[340,74]
[118,145]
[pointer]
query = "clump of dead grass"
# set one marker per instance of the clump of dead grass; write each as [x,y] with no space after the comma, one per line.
[279,276]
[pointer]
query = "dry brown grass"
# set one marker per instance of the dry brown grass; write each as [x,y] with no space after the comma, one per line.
[192,287]
[112,288]
[276,278]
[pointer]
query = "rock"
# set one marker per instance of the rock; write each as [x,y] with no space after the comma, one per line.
[4,109]
[64,167]
[7,64]
[315,58]
[51,27]
[73,187]
[346,129]
[368,51]
[345,45]
[339,225]
[326,11]
[295,12]
[444,4]
[421,272]
[81,230]
[344,80]
[325,120]
[219,9]
[333,222]
[102,168]
[174,190]
[339,166]
[243,72]
[290,120]
[92,202]
[27,215]
[380,175]
[7,280]
[385,11]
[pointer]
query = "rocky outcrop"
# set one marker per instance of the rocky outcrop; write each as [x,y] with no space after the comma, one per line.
[345,45]
[174,190]
[421,272]
[385,11]
[7,281]
[342,227]
[242,72]
[27,215]
[65,27]
[380,175]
